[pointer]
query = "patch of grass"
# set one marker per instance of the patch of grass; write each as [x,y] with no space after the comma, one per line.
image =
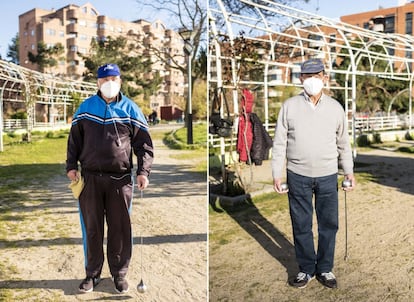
[199,133]
[40,150]
[157,134]
[271,202]
[200,154]
[13,294]
[27,167]
[178,139]
[406,149]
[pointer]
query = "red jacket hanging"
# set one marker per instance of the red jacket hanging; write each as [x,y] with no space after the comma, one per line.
[253,141]
[244,138]
[245,131]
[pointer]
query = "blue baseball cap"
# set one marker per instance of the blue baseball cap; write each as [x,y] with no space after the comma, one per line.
[312,66]
[108,70]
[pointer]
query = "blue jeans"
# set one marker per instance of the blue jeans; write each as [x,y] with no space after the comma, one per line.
[301,192]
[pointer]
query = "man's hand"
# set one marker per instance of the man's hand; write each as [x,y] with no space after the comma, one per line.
[142,182]
[73,175]
[277,186]
[351,178]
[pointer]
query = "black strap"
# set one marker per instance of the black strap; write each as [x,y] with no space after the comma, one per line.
[216,104]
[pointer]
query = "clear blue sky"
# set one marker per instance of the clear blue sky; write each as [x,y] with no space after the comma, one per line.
[129,10]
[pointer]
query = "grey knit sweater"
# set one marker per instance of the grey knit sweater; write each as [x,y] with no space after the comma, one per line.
[311,141]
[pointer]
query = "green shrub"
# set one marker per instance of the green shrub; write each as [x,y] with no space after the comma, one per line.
[49,134]
[20,115]
[363,141]
[376,137]
[408,136]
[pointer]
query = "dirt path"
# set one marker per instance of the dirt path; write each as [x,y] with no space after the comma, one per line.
[171,217]
[255,260]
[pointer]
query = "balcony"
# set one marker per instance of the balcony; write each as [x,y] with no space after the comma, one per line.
[72,28]
[102,19]
[72,14]
[70,41]
[72,56]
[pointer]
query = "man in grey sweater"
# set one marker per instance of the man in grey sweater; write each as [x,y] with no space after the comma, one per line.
[311,141]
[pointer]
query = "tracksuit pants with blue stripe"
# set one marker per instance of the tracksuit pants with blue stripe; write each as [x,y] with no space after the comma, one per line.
[106,197]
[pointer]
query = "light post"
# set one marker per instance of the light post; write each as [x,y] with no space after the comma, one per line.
[188,36]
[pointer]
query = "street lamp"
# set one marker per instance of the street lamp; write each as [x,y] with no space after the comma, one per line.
[188,35]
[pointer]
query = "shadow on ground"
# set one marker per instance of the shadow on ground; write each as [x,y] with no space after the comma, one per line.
[379,165]
[249,218]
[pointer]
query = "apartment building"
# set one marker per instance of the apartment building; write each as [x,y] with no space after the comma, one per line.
[75,26]
[325,42]
[398,19]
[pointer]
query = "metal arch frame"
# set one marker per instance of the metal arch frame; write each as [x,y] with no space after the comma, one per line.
[345,35]
[53,90]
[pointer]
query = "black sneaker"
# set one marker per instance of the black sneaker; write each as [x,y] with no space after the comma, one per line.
[88,284]
[301,280]
[327,279]
[121,284]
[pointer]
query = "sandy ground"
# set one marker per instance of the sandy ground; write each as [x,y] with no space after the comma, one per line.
[171,218]
[255,256]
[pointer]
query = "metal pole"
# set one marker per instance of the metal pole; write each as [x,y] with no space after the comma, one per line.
[410,106]
[189,101]
[346,230]
[1,121]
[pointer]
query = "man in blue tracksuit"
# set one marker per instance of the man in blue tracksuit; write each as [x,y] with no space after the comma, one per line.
[106,130]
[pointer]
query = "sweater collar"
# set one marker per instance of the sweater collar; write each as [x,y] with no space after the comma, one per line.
[308,100]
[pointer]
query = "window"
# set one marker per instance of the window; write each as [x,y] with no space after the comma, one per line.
[389,24]
[51,32]
[295,74]
[409,23]
[61,33]
[315,41]
[332,40]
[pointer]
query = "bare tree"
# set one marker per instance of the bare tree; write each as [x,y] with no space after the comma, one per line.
[188,15]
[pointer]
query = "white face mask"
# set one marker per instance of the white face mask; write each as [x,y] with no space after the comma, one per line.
[110,89]
[313,86]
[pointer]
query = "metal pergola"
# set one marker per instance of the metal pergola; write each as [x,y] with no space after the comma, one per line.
[19,84]
[291,36]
